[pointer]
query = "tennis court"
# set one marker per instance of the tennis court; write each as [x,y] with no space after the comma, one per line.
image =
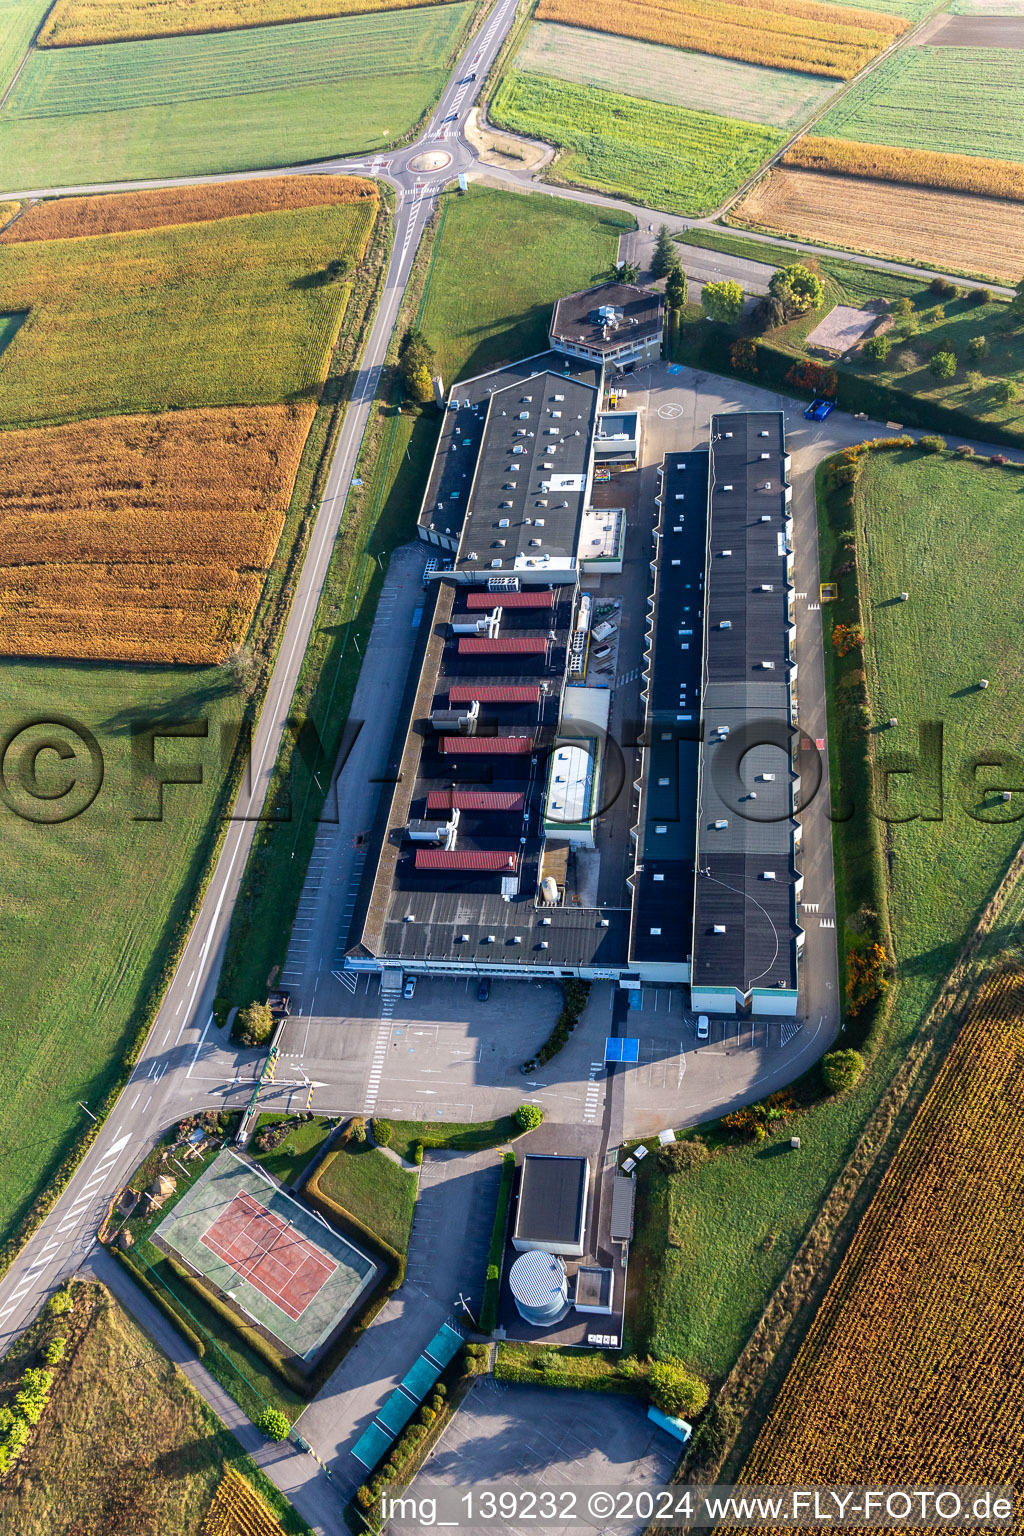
[272,1257]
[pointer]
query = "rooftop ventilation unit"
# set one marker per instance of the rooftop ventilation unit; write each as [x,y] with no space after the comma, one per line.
[769,874]
[488,624]
[721,824]
[719,928]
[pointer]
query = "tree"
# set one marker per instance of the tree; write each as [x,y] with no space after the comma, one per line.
[675,288]
[627,271]
[722,301]
[675,1390]
[274,1424]
[769,313]
[421,385]
[841,1069]
[664,254]
[416,361]
[338,268]
[1005,391]
[382,1132]
[253,1025]
[877,348]
[903,306]
[798,288]
[977,346]
[529,1116]
[943,364]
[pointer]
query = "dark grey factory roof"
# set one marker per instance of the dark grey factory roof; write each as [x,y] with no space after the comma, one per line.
[746,874]
[576,319]
[538,433]
[462,429]
[661,927]
[552,1192]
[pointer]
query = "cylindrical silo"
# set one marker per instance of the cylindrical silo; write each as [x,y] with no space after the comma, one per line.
[540,1288]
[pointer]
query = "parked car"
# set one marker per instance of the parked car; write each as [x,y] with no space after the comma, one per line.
[483,991]
[703,1027]
[410,986]
[819,409]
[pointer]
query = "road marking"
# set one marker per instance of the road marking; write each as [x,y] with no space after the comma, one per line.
[199,1047]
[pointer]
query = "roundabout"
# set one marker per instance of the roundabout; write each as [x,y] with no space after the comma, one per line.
[430,160]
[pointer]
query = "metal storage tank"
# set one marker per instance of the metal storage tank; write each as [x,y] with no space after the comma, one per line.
[540,1288]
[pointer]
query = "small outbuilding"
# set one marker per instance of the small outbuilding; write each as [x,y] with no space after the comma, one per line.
[552,1210]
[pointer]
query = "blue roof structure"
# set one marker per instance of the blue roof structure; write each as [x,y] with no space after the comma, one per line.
[397,1411]
[371,1445]
[447,1341]
[420,1377]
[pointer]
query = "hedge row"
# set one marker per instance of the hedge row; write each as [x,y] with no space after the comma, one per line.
[575,994]
[161,1300]
[492,1282]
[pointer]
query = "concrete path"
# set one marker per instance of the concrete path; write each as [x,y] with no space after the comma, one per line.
[447,1256]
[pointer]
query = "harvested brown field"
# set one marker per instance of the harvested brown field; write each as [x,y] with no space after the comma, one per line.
[948,230]
[804,35]
[7,212]
[73,22]
[917,167]
[973,32]
[910,1372]
[143,538]
[63,218]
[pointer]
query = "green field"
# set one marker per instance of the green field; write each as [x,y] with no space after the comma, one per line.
[658,155]
[912,9]
[93,909]
[779,97]
[961,101]
[186,105]
[946,531]
[373,1188]
[18,22]
[148,321]
[550,248]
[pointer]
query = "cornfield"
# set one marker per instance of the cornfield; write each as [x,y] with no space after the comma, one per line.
[238,1510]
[73,22]
[71,217]
[911,1369]
[919,167]
[143,538]
[803,35]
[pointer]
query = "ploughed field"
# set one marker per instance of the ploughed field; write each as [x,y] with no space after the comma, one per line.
[981,236]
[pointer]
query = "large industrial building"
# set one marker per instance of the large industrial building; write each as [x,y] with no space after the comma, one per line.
[500,771]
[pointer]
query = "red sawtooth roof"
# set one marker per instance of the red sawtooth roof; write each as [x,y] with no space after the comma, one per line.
[494,693]
[502,745]
[466,858]
[543,598]
[503,645]
[475,800]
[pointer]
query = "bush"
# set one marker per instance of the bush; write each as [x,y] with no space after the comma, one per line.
[942,287]
[681,1156]
[932,444]
[903,306]
[977,346]
[938,314]
[743,355]
[1006,391]
[529,1116]
[943,365]
[877,348]
[253,1025]
[356,1129]
[841,1069]
[675,1390]
[816,378]
[61,1303]
[382,1132]
[53,1354]
[274,1424]
[722,301]
[979,296]
[798,288]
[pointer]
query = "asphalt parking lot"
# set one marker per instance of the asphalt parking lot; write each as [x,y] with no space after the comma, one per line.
[535,1439]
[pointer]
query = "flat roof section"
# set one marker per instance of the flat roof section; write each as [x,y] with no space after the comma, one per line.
[662,915]
[745,928]
[552,1199]
[530,482]
[607,316]
[571,785]
[462,431]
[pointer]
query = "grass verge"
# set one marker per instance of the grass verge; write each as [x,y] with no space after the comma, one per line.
[411,1135]
[125,1437]
[372,1187]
